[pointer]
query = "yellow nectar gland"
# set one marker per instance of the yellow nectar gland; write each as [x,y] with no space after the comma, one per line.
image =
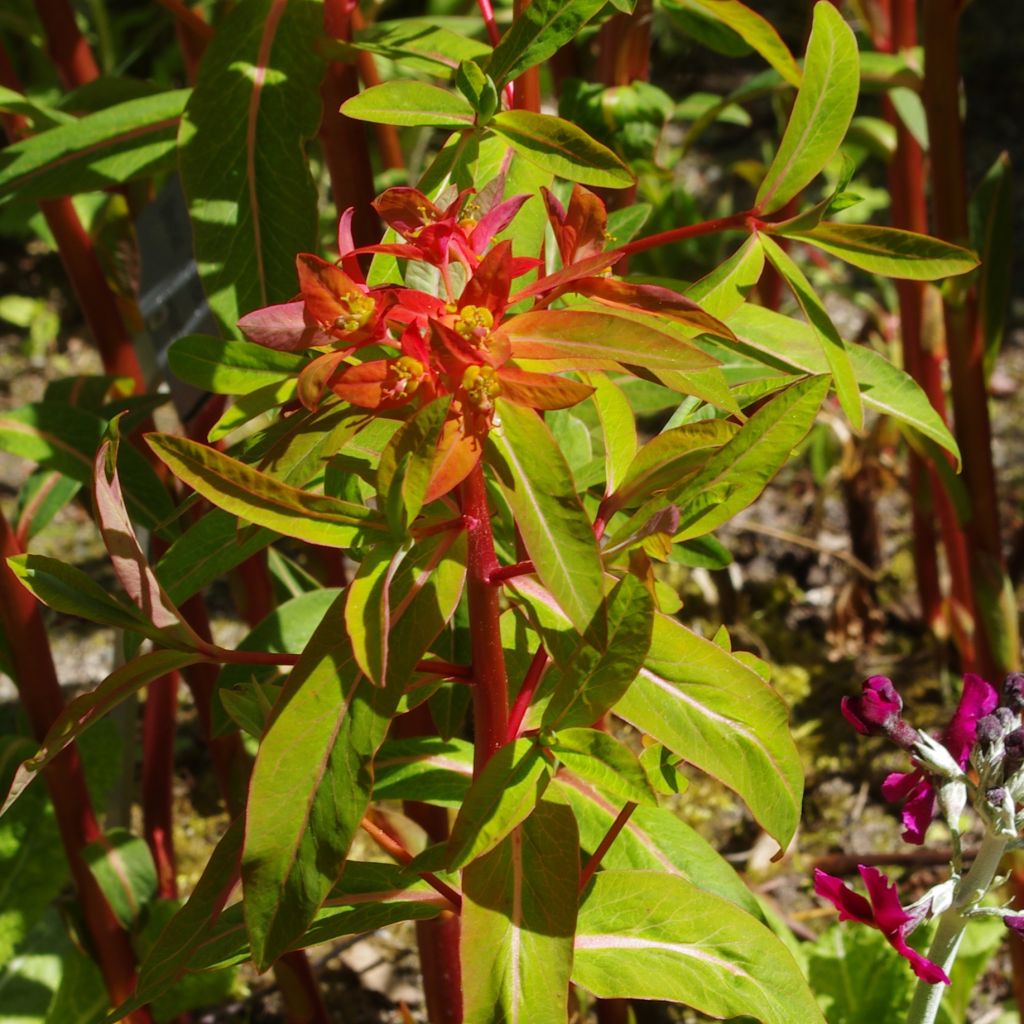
[474,323]
[404,376]
[359,310]
[481,386]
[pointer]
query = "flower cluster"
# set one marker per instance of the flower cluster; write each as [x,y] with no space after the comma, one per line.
[984,734]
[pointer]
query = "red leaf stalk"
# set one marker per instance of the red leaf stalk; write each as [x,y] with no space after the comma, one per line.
[40,693]
[526,90]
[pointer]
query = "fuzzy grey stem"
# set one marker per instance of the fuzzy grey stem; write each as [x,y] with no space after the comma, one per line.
[951,927]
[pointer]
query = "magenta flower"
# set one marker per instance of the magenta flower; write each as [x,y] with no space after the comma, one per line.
[916,788]
[882,911]
[877,710]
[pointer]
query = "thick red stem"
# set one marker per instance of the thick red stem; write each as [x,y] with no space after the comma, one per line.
[158,723]
[39,689]
[490,692]
[526,89]
[67,47]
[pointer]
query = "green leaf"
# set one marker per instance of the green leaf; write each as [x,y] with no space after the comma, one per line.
[560,147]
[647,935]
[755,30]
[889,251]
[41,497]
[519,904]
[39,114]
[832,344]
[778,340]
[537,33]
[739,471]
[259,498]
[310,788]
[822,112]
[230,367]
[124,870]
[654,839]
[712,710]
[582,339]
[124,142]
[83,711]
[726,288]
[991,217]
[408,103]
[540,490]
[252,200]
[368,608]
[502,797]
[478,89]
[606,763]
[590,682]
[618,428]
[426,768]
[421,44]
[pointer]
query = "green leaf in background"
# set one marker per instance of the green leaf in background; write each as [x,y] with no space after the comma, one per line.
[589,682]
[991,220]
[310,788]
[605,763]
[519,904]
[889,251]
[645,935]
[539,487]
[843,377]
[755,30]
[41,497]
[709,708]
[259,498]
[124,870]
[408,103]
[537,33]
[230,367]
[252,200]
[822,111]
[504,794]
[39,114]
[126,141]
[781,341]
[432,45]
[560,147]
[654,839]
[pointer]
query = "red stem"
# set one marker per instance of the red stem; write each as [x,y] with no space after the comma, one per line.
[39,689]
[390,845]
[526,89]
[510,572]
[490,694]
[745,218]
[605,845]
[531,681]
[158,723]
[67,47]
[388,144]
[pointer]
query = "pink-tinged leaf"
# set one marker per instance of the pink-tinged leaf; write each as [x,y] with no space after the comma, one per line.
[86,709]
[541,390]
[582,229]
[495,221]
[652,299]
[561,279]
[519,904]
[315,377]
[456,455]
[330,295]
[584,339]
[491,281]
[130,563]
[284,327]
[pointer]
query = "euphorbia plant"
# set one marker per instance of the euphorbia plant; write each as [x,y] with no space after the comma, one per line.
[456,419]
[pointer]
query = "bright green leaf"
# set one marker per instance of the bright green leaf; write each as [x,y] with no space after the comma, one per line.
[408,103]
[230,367]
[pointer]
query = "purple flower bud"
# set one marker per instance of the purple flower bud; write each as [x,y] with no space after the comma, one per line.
[1015,924]
[1013,691]
[1007,718]
[1014,747]
[990,729]
[997,796]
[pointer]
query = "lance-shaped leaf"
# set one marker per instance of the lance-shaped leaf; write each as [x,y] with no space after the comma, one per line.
[503,795]
[755,30]
[69,590]
[618,428]
[537,32]
[560,147]
[420,45]
[889,251]
[39,114]
[519,904]
[129,561]
[123,142]
[780,341]
[576,339]
[86,709]
[726,288]
[822,112]
[168,959]
[242,137]
[41,497]
[310,788]
[739,471]
[246,492]
[832,344]
[538,485]
[230,367]
[709,708]
[653,839]
[408,103]
[368,608]
[606,763]
[426,768]
[647,935]
[124,870]
[590,682]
